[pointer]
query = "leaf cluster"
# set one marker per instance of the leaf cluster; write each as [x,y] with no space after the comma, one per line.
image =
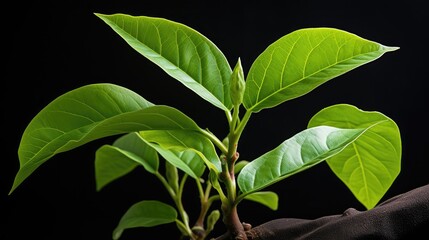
[363,148]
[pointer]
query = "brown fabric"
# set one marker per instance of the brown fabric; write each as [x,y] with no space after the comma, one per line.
[404,217]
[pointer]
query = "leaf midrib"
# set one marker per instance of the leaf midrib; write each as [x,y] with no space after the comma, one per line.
[303,78]
[95,124]
[158,55]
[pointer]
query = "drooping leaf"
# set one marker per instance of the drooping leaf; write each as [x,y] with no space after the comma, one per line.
[148,213]
[181,146]
[88,113]
[266,198]
[294,155]
[144,154]
[370,164]
[301,61]
[180,51]
[126,153]
[186,160]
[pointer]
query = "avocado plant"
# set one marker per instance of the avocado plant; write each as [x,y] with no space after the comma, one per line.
[362,148]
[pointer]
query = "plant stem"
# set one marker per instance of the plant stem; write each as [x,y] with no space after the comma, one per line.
[177,198]
[204,196]
[198,228]
[179,204]
[215,141]
[242,124]
[232,221]
[228,116]
[234,136]
[164,182]
[235,118]
[229,205]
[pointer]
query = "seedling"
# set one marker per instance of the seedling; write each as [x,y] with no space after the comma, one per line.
[363,148]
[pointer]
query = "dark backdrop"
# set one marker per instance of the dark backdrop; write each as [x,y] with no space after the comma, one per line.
[55,46]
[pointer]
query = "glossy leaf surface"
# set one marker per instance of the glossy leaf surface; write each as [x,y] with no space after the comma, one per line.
[126,153]
[180,51]
[88,113]
[148,213]
[370,164]
[302,60]
[296,154]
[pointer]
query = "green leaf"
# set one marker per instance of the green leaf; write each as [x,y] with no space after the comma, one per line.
[86,114]
[240,165]
[300,61]
[188,147]
[186,161]
[212,220]
[370,164]
[180,51]
[294,155]
[127,152]
[172,176]
[268,198]
[214,179]
[139,151]
[147,213]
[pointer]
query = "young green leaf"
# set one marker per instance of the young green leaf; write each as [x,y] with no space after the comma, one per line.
[212,220]
[180,51]
[370,164]
[302,60]
[148,213]
[240,165]
[88,113]
[266,198]
[294,155]
[172,175]
[127,152]
[194,149]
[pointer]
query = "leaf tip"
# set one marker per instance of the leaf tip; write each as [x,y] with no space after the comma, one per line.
[117,234]
[389,49]
[15,184]
[100,15]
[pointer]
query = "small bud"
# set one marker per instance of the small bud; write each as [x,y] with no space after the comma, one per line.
[237,84]
[212,219]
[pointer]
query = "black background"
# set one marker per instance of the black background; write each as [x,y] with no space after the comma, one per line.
[55,46]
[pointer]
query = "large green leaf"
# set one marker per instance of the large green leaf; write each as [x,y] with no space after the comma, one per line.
[126,153]
[370,164]
[294,155]
[148,213]
[302,60]
[182,146]
[88,113]
[180,51]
